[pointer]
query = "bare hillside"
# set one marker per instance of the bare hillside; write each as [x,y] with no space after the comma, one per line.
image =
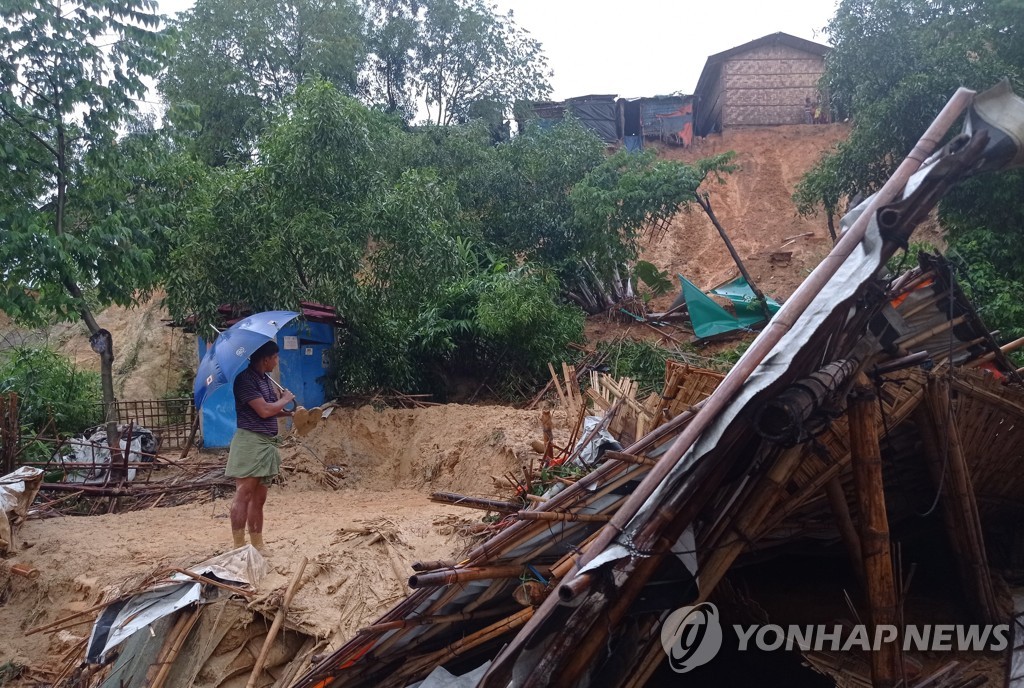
[755,206]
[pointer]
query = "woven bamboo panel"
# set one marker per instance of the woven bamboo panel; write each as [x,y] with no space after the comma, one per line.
[685,386]
[990,417]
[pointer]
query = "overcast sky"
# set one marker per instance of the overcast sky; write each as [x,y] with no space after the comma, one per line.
[645,47]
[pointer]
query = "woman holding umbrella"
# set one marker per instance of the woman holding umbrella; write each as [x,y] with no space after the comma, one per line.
[253,459]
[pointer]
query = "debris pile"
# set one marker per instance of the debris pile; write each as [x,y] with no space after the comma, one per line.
[864,387]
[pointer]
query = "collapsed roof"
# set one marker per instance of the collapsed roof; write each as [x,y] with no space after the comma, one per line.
[774,455]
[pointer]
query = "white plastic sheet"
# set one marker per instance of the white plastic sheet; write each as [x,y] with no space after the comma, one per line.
[244,567]
[17,492]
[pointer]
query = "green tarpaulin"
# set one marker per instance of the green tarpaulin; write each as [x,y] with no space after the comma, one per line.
[709,319]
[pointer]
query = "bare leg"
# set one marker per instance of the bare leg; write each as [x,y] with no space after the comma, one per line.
[245,489]
[254,517]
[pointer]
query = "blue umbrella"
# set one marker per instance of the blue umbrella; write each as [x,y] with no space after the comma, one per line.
[230,352]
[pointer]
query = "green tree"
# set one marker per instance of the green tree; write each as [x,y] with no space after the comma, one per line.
[70,75]
[289,228]
[235,61]
[894,64]
[392,34]
[467,53]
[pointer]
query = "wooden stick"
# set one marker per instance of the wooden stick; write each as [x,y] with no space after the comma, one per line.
[282,612]
[911,341]
[440,619]
[841,513]
[475,502]
[432,565]
[612,455]
[209,581]
[58,622]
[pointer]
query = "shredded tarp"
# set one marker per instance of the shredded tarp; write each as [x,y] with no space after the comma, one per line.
[710,320]
[244,567]
[17,492]
[92,449]
[441,678]
[589,455]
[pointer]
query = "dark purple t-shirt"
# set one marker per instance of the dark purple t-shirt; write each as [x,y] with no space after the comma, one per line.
[250,385]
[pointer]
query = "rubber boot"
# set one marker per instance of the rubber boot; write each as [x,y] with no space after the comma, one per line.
[257,541]
[239,537]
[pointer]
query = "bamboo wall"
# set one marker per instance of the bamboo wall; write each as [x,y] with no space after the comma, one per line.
[768,85]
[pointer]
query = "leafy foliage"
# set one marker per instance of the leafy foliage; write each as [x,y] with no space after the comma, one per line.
[236,61]
[49,386]
[656,280]
[468,54]
[62,99]
[894,64]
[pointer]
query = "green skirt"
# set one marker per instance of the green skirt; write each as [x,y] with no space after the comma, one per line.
[253,455]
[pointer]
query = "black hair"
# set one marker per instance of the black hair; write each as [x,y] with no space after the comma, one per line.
[265,351]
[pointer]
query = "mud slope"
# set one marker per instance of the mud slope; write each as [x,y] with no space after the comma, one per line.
[755,206]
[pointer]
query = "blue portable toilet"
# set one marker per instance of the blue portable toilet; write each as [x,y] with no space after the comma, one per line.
[302,368]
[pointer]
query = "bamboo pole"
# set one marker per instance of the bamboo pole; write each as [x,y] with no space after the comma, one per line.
[434,620]
[924,303]
[282,612]
[886,662]
[172,646]
[747,521]
[469,573]
[1012,346]
[913,340]
[628,458]
[904,284]
[419,664]
[434,564]
[475,502]
[562,516]
[841,513]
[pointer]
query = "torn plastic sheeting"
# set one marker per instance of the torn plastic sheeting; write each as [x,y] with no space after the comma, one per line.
[743,298]
[93,450]
[441,678]
[588,455]
[121,620]
[17,492]
[708,318]
[243,567]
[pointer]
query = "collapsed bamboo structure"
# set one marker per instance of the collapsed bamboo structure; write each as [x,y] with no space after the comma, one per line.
[826,409]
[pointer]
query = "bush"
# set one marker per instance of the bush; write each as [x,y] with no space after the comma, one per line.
[49,386]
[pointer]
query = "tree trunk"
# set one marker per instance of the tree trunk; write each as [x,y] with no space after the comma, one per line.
[103,344]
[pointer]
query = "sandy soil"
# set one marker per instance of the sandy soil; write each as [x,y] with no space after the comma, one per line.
[354,500]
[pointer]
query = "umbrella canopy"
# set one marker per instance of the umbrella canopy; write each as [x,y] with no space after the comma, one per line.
[230,352]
